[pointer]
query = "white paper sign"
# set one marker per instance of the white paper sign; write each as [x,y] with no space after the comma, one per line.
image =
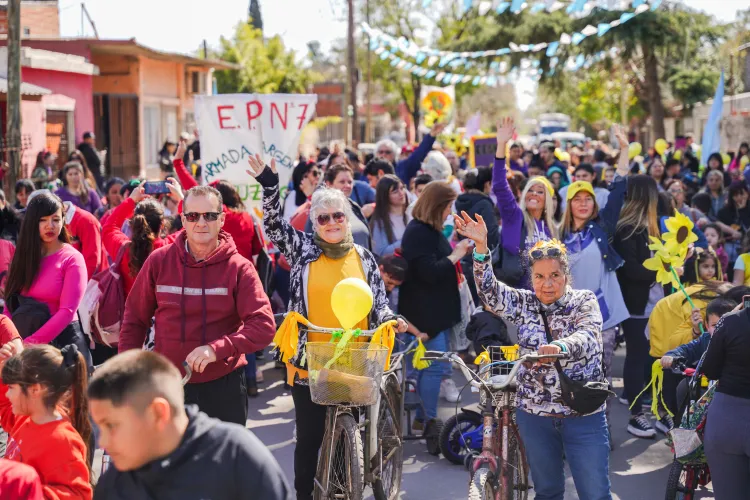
[232,127]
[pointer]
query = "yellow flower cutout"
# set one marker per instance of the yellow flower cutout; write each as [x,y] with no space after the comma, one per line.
[663,261]
[680,233]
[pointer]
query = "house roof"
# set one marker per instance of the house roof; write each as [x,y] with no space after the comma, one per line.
[131,47]
[26,88]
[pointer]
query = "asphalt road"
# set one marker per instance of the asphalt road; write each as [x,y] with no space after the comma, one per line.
[638,467]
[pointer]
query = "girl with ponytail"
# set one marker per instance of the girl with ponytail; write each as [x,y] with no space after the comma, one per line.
[44,408]
[147,225]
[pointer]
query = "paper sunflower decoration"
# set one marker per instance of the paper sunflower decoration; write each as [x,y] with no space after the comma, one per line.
[454,142]
[437,107]
[680,232]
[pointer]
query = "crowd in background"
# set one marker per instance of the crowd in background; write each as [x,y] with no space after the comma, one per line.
[387,218]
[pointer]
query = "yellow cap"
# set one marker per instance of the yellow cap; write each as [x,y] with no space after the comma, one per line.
[546,182]
[579,186]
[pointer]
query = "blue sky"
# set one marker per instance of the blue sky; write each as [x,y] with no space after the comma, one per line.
[182,25]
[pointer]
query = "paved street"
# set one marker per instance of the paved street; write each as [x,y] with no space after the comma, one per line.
[639,467]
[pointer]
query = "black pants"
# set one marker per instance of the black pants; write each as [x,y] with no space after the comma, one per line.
[311,426]
[637,367]
[224,398]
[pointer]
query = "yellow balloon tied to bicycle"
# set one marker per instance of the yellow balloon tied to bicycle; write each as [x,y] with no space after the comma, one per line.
[351,301]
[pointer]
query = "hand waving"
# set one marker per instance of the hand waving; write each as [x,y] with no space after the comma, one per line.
[257,166]
[474,230]
[621,135]
[506,129]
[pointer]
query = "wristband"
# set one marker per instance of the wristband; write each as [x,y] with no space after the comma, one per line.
[479,257]
[562,346]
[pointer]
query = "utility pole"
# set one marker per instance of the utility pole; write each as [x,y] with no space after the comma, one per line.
[368,101]
[13,132]
[352,73]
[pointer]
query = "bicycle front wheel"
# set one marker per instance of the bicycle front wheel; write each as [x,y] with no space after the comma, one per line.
[340,472]
[514,479]
[389,460]
[480,487]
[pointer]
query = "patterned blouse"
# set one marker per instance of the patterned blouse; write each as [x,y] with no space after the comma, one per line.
[574,320]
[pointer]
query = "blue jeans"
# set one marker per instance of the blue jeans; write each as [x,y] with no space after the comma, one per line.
[250,366]
[428,380]
[582,441]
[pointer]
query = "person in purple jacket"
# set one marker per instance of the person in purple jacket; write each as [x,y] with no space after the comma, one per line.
[533,220]
[75,189]
[407,168]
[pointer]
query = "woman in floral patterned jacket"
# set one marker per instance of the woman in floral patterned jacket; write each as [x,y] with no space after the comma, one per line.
[550,430]
[317,262]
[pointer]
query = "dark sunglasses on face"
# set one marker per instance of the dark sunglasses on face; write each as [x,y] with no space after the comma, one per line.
[196,216]
[338,217]
[540,253]
[315,173]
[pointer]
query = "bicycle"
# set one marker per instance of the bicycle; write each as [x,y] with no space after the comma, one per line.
[500,471]
[684,479]
[347,462]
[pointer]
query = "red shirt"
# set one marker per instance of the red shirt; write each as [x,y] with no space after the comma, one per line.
[86,237]
[18,481]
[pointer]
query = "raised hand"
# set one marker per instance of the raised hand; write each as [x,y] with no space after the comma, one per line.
[257,165]
[437,129]
[181,148]
[506,129]
[473,230]
[621,135]
[175,190]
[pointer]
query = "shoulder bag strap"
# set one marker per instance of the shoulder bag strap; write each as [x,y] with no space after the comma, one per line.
[547,330]
[120,255]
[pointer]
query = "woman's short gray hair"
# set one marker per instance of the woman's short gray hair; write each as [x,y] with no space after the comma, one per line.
[326,198]
[437,165]
[389,144]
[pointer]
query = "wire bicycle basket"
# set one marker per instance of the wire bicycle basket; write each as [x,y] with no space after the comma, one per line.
[349,376]
[502,360]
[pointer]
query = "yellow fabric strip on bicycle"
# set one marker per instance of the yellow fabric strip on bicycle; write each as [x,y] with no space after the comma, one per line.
[325,274]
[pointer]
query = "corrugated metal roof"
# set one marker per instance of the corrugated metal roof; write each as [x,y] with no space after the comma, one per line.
[26,88]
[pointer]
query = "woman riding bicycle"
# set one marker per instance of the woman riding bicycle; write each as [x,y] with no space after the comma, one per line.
[551,430]
[318,262]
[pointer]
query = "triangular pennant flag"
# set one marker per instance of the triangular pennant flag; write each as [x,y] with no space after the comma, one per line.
[484,7]
[578,38]
[540,46]
[467,5]
[432,60]
[638,3]
[440,76]
[655,4]
[491,81]
[501,8]
[475,81]
[385,55]
[552,49]
[421,57]
[626,16]
[589,30]
[565,39]
[516,5]
[576,6]
[538,7]
[466,79]
[430,73]
[426,3]
[603,28]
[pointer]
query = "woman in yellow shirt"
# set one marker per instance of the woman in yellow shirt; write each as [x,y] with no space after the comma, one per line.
[317,262]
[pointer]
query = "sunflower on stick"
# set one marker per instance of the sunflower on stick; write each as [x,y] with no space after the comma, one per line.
[671,251]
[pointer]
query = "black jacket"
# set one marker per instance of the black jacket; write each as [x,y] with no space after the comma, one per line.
[473,203]
[429,297]
[215,460]
[635,280]
[93,162]
[485,330]
[727,355]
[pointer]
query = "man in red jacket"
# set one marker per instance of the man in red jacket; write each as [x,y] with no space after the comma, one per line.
[209,308]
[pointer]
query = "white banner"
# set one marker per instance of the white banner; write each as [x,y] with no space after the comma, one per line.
[232,127]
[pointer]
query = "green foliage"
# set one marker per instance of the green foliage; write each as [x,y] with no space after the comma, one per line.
[266,66]
[691,86]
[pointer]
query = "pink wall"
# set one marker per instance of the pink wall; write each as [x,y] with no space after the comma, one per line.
[73,85]
[34,124]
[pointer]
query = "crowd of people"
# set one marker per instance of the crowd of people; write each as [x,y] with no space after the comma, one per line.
[553,244]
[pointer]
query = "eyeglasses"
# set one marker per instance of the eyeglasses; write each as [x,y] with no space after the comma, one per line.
[338,218]
[385,152]
[315,173]
[540,253]
[196,216]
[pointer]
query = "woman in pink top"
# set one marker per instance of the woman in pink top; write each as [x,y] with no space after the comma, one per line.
[48,269]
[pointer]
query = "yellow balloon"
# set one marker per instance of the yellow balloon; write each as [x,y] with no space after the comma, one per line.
[677,155]
[725,159]
[634,150]
[351,301]
[660,146]
[744,161]
[564,157]
[558,153]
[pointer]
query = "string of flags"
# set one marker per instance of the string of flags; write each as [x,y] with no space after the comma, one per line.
[442,58]
[574,7]
[500,72]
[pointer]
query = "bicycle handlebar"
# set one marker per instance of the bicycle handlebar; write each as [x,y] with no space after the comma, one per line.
[364,333]
[474,379]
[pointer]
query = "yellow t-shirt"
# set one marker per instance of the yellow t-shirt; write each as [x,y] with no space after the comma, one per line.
[745,257]
[325,273]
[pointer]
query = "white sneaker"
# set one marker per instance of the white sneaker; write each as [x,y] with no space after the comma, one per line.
[449,391]
[259,375]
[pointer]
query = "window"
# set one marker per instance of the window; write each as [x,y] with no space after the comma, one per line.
[152,135]
[26,31]
[196,82]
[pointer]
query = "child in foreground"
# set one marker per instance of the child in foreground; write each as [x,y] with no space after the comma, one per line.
[42,431]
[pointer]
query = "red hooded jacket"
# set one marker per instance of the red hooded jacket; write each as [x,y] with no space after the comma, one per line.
[86,237]
[114,239]
[217,302]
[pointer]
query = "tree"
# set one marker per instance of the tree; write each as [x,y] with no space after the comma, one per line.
[254,15]
[266,66]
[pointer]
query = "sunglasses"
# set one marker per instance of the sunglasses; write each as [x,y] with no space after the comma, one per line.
[196,216]
[540,253]
[315,173]
[338,217]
